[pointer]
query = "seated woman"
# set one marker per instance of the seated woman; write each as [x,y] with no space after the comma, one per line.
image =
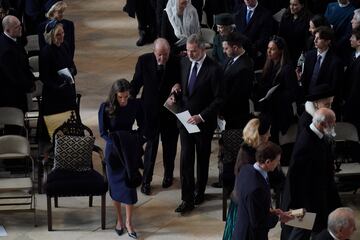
[55,10]
[119,113]
[179,21]
[57,71]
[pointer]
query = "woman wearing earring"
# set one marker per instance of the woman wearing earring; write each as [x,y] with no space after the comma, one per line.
[119,113]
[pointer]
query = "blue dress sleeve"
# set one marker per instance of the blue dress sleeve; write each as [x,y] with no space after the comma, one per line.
[104,122]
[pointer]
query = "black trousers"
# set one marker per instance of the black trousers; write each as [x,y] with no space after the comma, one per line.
[191,144]
[169,138]
[145,14]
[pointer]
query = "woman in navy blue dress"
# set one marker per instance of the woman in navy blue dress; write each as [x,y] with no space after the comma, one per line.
[119,113]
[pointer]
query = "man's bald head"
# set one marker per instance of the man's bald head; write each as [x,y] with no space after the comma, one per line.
[12,26]
[341,223]
[324,120]
[161,50]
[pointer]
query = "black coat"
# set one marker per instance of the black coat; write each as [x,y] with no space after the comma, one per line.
[206,97]
[323,235]
[331,71]
[258,30]
[254,219]
[58,94]
[238,81]
[156,89]
[16,78]
[310,178]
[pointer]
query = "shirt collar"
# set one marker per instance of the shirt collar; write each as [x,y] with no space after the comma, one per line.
[14,39]
[236,58]
[261,171]
[199,62]
[357,54]
[323,54]
[252,9]
[316,131]
[344,5]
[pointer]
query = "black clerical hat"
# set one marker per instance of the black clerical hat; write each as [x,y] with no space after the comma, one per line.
[320,92]
[224,19]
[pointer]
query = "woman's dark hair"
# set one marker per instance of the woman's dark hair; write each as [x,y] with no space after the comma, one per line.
[121,85]
[319,20]
[285,57]
[268,150]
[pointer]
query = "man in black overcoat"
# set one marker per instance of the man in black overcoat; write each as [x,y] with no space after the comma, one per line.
[310,179]
[201,96]
[157,72]
[16,78]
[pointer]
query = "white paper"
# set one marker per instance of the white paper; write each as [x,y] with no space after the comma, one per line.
[307,222]
[66,72]
[270,92]
[3,232]
[183,118]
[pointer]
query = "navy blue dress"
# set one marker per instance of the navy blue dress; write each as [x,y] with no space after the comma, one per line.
[122,121]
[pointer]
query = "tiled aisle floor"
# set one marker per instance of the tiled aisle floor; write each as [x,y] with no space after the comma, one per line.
[106,51]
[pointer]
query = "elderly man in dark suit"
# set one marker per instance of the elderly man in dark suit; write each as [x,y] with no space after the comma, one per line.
[255,215]
[341,225]
[15,74]
[310,179]
[321,64]
[256,23]
[157,72]
[201,96]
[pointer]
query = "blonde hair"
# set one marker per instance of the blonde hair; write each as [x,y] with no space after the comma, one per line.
[58,6]
[251,134]
[49,36]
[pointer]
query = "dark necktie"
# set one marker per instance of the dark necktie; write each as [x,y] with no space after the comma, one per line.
[229,64]
[248,16]
[192,78]
[315,75]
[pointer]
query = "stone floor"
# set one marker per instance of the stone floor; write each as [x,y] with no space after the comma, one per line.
[106,51]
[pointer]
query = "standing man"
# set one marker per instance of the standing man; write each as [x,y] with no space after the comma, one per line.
[201,96]
[157,72]
[310,180]
[16,76]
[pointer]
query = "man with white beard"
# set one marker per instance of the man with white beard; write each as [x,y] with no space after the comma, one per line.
[310,179]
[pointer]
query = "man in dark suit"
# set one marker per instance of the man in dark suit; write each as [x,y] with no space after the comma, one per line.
[157,72]
[321,65]
[255,215]
[256,23]
[201,96]
[341,225]
[310,178]
[15,74]
[352,84]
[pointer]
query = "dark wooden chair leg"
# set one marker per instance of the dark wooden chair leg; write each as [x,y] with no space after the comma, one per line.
[56,202]
[49,213]
[90,201]
[103,211]
[224,203]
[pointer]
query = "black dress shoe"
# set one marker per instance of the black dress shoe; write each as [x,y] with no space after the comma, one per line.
[217,185]
[119,232]
[132,235]
[146,189]
[199,198]
[167,182]
[184,207]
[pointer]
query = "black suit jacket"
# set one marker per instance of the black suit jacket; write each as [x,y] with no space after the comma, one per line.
[331,71]
[16,78]
[258,30]
[324,235]
[310,178]
[238,82]
[156,89]
[206,97]
[254,219]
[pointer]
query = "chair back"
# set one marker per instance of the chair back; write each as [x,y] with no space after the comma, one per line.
[11,116]
[208,35]
[289,136]
[346,132]
[73,127]
[14,147]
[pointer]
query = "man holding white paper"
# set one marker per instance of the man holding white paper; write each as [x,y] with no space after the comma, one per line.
[310,179]
[200,87]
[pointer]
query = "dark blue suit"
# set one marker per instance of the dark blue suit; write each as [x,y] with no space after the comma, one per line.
[254,201]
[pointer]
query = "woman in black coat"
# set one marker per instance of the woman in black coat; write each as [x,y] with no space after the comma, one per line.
[294,28]
[57,71]
[278,70]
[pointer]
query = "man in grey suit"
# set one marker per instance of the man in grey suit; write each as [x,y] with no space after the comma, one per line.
[201,96]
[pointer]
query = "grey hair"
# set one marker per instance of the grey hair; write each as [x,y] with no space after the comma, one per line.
[161,42]
[340,218]
[318,118]
[357,15]
[196,39]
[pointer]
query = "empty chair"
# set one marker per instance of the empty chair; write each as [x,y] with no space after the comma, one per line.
[32,47]
[208,36]
[16,190]
[12,121]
